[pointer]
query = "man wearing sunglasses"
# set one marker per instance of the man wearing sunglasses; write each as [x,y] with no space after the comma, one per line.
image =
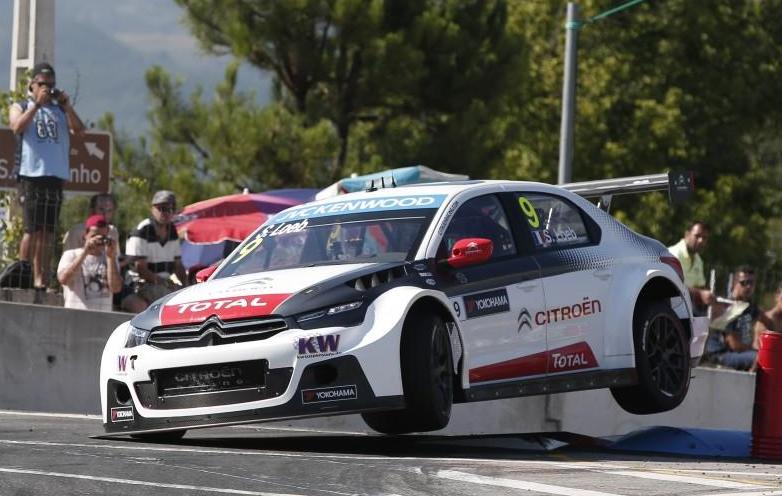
[154,246]
[43,124]
[735,346]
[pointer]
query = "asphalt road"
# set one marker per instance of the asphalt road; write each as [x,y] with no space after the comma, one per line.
[54,454]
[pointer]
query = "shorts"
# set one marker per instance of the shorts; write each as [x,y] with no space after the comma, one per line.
[41,199]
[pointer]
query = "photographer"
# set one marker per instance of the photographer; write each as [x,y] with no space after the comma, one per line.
[90,275]
[43,124]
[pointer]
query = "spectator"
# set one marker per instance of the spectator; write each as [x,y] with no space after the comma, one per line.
[734,347]
[101,204]
[43,124]
[155,248]
[90,275]
[773,320]
[688,250]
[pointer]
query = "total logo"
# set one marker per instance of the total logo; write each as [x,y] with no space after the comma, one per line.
[122,414]
[317,346]
[201,306]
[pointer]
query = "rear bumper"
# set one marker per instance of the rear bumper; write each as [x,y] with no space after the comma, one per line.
[344,389]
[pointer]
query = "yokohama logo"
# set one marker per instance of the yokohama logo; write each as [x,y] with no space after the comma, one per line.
[226,308]
[337,393]
[122,414]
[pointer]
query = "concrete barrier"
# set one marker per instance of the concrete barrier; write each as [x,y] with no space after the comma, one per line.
[50,357]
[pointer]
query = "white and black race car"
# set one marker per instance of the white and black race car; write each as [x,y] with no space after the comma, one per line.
[395,303]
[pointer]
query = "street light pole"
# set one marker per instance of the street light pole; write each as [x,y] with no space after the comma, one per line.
[568,95]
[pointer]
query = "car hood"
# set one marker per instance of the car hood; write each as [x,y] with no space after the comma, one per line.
[246,296]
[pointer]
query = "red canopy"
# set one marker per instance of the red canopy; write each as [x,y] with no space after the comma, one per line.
[233,217]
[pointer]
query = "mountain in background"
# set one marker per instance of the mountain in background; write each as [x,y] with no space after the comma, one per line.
[103,49]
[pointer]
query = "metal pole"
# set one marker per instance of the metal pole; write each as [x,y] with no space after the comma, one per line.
[568,95]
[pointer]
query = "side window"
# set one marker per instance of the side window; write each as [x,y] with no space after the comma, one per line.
[553,222]
[481,217]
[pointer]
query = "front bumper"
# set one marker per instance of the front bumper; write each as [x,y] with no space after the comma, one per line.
[330,387]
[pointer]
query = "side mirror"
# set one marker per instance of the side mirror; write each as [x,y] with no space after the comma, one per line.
[470,251]
[204,274]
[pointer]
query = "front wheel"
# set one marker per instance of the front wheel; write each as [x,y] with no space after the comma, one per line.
[662,361]
[427,379]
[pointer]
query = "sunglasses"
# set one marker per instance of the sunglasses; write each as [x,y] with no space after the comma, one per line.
[747,282]
[164,209]
[50,84]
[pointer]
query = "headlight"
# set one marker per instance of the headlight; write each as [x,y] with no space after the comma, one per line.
[346,307]
[136,337]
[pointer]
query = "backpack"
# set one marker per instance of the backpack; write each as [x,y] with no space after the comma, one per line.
[17,275]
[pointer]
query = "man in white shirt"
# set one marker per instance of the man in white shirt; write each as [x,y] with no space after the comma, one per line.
[90,275]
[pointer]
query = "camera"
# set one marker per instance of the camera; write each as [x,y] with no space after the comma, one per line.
[103,240]
[55,92]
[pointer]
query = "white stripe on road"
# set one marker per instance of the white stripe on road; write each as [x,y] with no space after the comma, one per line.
[56,415]
[753,493]
[518,484]
[685,479]
[141,483]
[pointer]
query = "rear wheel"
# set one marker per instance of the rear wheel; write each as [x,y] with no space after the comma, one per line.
[662,361]
[160,437]
[427,379]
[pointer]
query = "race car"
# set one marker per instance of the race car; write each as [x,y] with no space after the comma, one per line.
[396,303]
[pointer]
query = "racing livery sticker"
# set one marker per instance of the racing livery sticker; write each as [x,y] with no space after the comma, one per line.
[359,206]
[585,308]
[122,414]
[317,346]
[480,304]
[524,319]
[225,308]
[336,393]
[572,357]
[122,363]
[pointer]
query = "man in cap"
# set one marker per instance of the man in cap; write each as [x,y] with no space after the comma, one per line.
[154,245]
[43,124]
[90,275]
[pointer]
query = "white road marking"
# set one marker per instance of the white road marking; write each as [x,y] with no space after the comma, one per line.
[752,493]
[724,472]
[518,484]
[55,415]
[299,429]
[685,479]
[141,483]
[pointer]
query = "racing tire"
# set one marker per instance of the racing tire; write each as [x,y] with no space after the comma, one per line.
[161,437]
[427,379]
[662,362]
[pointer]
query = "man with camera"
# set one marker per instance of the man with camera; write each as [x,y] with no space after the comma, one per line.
[90,275]
[43,124]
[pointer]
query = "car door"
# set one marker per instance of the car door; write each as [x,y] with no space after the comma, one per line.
[494,300]
[576,279]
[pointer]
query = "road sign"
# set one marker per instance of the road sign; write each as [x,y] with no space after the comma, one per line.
[90,162]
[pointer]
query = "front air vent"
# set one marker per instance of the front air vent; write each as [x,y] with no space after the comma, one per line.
[214,332]
[369,281]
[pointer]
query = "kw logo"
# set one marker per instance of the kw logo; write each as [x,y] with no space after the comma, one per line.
[318,345]
[524,319]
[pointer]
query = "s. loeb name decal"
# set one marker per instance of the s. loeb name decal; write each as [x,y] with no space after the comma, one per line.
[480,304]
[225,308]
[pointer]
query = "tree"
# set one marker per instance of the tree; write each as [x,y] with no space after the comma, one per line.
[418,78]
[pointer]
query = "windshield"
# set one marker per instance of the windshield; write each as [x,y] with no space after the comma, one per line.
[354,238]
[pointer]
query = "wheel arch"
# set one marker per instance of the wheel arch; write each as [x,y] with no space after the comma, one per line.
[430,303]
[656,289]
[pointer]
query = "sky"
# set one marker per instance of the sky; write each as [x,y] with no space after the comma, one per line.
[103,48]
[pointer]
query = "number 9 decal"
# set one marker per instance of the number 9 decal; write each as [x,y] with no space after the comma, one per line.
[529,212]
[457,309]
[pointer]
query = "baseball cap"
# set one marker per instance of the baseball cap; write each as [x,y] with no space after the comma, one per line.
[163,196]
[43,68]
[96,220]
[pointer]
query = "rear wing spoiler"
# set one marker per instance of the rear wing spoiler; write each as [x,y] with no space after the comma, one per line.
[679,185]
